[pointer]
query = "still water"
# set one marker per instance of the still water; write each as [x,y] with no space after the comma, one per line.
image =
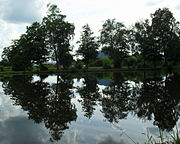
[91,108]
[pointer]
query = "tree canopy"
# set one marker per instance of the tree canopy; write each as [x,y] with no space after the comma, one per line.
[88,47]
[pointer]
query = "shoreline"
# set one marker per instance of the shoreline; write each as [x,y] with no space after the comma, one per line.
[84,71]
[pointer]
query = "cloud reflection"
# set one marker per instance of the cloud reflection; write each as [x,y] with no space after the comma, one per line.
[109,140]
[19,130]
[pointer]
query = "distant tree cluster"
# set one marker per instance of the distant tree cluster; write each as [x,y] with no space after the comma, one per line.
[148,43]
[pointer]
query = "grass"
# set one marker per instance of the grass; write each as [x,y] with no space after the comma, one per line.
[5,70]
[164,137]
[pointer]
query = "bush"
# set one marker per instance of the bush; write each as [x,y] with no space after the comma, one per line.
[4,62]
[78,65]
[1,68]
[131,61]
[106,63]
[73,69]
[43,68]
[169,66]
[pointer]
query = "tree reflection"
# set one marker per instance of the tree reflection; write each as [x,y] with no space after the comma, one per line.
[149,96]
[90,95]
[46,103]
[158,99]
[116,101]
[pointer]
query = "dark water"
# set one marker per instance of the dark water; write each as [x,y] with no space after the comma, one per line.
[92,108]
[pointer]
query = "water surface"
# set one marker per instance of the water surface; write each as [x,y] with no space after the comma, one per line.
[91,108]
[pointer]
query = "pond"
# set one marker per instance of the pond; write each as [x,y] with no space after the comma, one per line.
[88,108]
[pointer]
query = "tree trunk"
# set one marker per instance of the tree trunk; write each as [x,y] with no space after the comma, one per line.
[57,62]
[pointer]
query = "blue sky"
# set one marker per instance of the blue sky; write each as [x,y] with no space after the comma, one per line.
[15,15]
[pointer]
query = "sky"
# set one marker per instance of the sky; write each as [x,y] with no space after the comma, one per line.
[15,15]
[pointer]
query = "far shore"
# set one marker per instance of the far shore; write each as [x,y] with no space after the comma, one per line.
[94,69]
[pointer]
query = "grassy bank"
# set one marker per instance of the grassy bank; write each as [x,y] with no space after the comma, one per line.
[51,69]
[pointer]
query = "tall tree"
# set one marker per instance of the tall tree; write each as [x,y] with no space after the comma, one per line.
[165,31]
[35,35]
[88,45]
[143,40]
[58,34]
[114,41]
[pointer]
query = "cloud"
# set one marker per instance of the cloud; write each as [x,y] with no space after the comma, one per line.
[178,7]
[153,2]
[21,11]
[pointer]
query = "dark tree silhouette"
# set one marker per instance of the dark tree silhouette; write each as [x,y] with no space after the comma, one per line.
[88,45]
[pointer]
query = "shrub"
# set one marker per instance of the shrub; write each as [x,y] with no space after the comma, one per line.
[73,69]
[43,68]
[78,65]
[106,63]
[131,61]
[1,68]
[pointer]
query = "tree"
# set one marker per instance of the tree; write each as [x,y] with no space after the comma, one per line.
[18,55]
[114,41]
[35,35]
[29,49]
[88,45]
[6,55]
[58,34]
[143,40]
[165,31]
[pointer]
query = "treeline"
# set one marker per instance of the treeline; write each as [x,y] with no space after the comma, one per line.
[147,44]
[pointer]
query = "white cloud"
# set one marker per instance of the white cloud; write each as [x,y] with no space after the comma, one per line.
[20,11]
[153,2]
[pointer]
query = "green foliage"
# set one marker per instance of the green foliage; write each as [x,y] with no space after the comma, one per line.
[17,55]
[4,62]
[165,31]
[43,67]
[131,61]
[114,40]
[78,65]
[35,43]
[1,69]
[106,63]
[143,40]
[158,40]
[88,45]
[58,35]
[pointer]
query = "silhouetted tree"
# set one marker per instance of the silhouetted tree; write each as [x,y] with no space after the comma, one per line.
[114,41]
[88,45]
[165,32]
[58,35]
[35,41]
